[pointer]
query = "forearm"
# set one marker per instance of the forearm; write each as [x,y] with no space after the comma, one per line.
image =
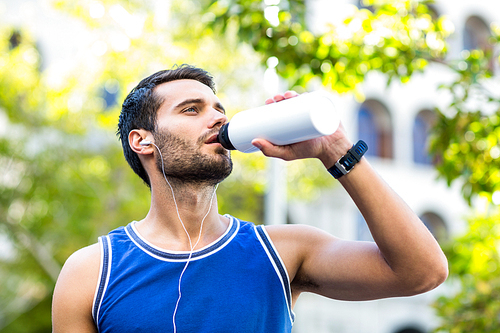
[406,244]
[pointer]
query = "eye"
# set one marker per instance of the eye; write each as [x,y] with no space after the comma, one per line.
[190,109]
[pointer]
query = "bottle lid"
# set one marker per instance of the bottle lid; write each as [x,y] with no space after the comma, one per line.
[223,138]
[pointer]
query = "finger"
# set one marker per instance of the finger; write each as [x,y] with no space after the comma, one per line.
[270,150]
[278,98]
[290,94]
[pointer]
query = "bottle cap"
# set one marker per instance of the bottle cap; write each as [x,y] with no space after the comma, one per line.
[223,138]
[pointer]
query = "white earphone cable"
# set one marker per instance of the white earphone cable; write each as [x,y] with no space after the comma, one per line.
[191,246]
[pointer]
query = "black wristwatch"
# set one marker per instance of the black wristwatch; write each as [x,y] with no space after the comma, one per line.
[345,164]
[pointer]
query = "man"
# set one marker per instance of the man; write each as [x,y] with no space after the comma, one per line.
[186,268]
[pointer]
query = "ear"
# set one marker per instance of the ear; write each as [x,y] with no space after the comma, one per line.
[135,137]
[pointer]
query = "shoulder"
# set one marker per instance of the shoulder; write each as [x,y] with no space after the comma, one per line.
[83,261]
[75,287]
[80,272]
[296,244]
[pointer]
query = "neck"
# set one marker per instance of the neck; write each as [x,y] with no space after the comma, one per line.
[179,209]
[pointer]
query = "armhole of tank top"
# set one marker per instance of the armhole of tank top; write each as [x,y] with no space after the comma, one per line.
[104,271]
[278,265]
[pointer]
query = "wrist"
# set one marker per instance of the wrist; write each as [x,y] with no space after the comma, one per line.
[346,163]
[334,152]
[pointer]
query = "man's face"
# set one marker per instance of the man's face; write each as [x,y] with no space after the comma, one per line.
[188,122]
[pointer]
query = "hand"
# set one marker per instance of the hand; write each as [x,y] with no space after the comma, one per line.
[327,148]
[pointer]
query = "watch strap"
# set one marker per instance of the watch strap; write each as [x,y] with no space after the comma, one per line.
[345,164]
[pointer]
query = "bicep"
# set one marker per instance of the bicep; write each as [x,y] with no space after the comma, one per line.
[74,292]
[341,269]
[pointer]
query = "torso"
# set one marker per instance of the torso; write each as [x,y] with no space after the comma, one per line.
[249,268]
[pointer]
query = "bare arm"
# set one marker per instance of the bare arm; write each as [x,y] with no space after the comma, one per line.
[405,259]
[74,292]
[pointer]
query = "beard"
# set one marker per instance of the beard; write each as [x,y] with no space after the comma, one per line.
[184,162]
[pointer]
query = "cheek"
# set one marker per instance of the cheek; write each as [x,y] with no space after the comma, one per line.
[181,130]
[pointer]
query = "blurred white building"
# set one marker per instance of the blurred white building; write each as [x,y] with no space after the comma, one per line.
[394,122]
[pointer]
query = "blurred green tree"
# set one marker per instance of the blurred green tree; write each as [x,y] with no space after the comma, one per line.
[63,179]
[473,304]
[60,185]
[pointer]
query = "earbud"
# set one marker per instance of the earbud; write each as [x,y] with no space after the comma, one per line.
[145,143]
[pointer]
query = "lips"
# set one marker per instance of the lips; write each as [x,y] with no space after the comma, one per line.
[213,138]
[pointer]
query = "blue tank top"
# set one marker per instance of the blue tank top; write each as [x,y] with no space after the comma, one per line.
[236,284]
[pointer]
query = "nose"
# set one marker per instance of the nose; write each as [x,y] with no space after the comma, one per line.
[218,119]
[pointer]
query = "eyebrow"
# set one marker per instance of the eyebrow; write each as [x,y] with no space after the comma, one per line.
[190,101]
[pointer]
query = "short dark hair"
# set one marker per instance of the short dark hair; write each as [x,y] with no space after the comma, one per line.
[140,108]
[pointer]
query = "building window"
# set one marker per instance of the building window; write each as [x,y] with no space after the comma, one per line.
[422,125]
[436,225]
[476,34]
[375,128]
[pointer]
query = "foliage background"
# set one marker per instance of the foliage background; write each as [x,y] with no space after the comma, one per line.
[63,181]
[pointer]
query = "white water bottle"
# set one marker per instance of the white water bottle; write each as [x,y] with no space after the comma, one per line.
[292,120]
